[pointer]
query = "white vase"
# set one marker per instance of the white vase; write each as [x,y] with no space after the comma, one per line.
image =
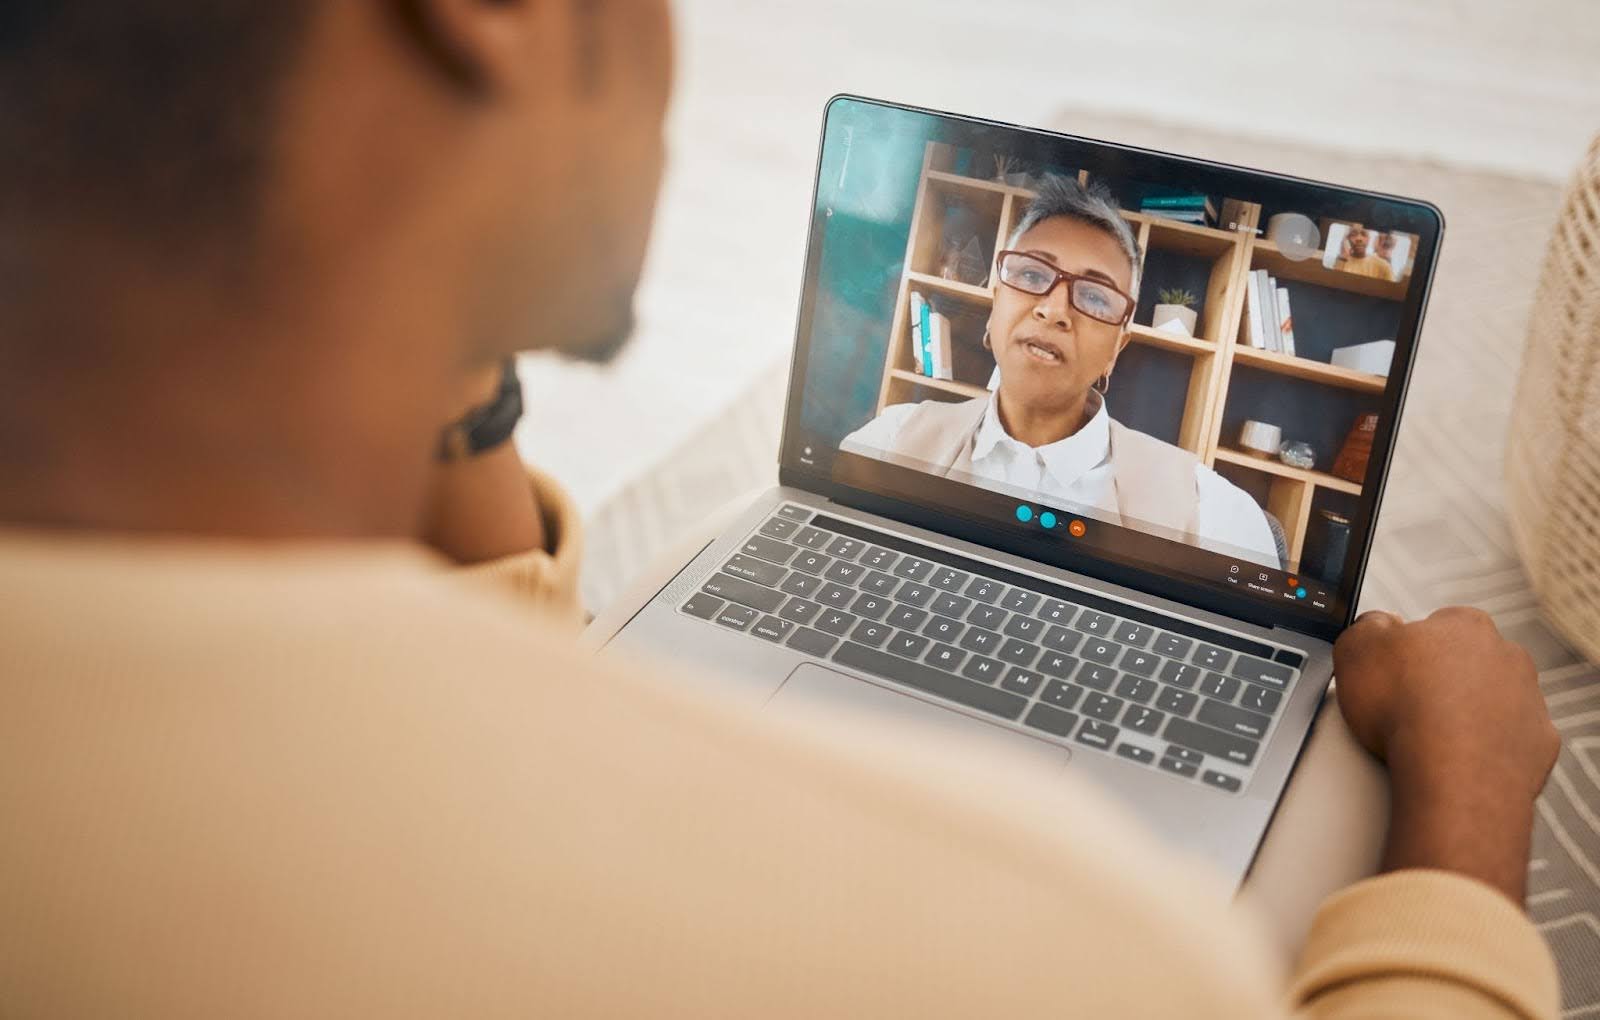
[1181,314]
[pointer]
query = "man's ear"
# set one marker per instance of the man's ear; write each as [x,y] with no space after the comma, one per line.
[481,45]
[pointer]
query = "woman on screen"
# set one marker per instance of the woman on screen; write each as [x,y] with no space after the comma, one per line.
[1068,285]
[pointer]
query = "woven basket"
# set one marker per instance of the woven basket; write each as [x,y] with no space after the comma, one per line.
[1553,449]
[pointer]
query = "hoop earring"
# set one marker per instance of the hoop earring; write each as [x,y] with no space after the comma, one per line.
[986,344]
[1102,384]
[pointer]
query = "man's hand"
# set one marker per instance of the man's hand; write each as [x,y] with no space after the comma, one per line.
[481,507]
[1455,710]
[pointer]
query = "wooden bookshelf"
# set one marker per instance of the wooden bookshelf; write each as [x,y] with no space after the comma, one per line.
[1219,344]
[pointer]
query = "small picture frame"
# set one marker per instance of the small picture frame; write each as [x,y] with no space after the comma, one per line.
[1351,247]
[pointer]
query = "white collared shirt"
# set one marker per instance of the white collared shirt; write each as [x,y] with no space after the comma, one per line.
[1077,471]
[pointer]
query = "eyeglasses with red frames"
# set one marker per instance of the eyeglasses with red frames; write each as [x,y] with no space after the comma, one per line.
[1095,298]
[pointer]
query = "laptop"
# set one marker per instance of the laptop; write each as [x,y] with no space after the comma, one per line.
[1083,450]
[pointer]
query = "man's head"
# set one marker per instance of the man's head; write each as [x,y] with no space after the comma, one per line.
[254,246]
[1358,240]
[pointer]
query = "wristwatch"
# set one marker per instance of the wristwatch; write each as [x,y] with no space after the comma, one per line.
[485,427]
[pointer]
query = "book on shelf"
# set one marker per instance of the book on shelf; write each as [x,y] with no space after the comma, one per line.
[1285,322]
[1269,301]
[919,331]
[1196,209]
[1254,320]
[925,355]
[939,345]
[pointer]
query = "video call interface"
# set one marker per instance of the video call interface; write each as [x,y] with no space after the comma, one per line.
[1179,370]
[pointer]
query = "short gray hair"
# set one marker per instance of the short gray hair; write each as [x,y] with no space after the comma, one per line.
[1059,195]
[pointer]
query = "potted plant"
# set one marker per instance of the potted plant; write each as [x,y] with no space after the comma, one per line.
[1175,310]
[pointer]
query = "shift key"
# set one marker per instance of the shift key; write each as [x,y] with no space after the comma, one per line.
[746,593]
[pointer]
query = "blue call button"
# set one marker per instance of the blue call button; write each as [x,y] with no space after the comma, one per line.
[1047,520]
[1024,513]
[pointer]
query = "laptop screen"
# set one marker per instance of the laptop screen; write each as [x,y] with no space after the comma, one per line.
[1161,371]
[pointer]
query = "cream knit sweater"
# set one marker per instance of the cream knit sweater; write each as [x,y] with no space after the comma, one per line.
[333,781]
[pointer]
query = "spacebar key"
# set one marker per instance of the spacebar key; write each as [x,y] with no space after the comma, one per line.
[926,678]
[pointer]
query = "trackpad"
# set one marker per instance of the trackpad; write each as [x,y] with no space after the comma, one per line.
[812,689]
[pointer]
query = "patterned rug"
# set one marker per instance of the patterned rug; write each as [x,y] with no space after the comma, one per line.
[1442,537]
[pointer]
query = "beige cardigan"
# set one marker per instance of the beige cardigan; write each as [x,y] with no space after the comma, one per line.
[252,780]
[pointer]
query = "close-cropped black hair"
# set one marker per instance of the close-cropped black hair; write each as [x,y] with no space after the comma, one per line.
[143,111]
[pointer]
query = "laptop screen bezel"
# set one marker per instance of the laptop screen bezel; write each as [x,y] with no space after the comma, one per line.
[1115,159]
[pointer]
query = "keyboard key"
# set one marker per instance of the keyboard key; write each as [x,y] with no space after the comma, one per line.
[702,605]
[1211,657]
[986,616]
[836,595]
[794,513]
[948,579]
[846,548]
[1134,634]
[1060,639]
[913,569]
[870,633]
[1098,734]
[779,527]
[769,549]
[1095,624]
[1223,688]
[752,569]
[1022,681]
[1057,664]
[953,606]
[800,610]
[945,685]
[1181,674]
[1136,688]
[835,621]
[906,617]
[1136,753]
[1025,627]
[914,594]
[879,583]
[844,572]
[811,642]
[873,607]
[800,584]
[879,558]
[1294,660]
[985,590]
[1019,601]
[1135,661]
[1184,754]
[976,639]
[1100,651]
[1260,699]
[1173,646]
[942,628]
[1061,694]
[1220,781]
[1260,671]
[982,670]
[811,538]
[772,628]
[1143,720]
[1051,720]
[1017,652]
[1102,706]
[1096,676]
[1187,769]
[737,617]
[945,657]
[748,593]
[1206,740]
[1177,702]
[1233,720]
[1056,611]
[909,645]
[811,562]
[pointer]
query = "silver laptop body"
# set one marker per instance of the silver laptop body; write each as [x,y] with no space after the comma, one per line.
[1181,674]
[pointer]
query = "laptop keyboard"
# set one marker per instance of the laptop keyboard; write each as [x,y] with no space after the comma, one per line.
[1069,666]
